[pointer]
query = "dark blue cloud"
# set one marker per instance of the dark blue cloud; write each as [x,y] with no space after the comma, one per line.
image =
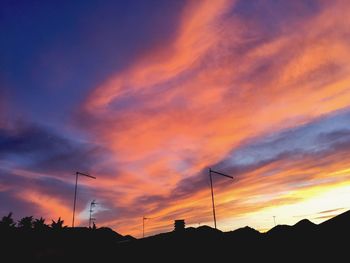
[317,136]
[30,139]
[54,52]
[38,148]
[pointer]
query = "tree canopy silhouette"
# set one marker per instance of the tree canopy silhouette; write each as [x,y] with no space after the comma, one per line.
[39,224]
[26,223]
[7,221]
[57,224]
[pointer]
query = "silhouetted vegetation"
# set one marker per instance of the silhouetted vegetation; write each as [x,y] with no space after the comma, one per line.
[7,222]
[39,224]
[26,223]
[31,240]
[57,225]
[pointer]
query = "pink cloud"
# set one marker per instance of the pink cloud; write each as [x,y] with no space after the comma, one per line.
[179,109]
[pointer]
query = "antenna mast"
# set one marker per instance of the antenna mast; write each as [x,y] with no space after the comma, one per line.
[75,191]
[92,205]
[212,191]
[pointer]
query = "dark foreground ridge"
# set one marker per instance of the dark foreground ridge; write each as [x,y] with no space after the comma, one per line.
[304,241]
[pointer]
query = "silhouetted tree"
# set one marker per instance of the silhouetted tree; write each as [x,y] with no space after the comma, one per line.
[58,224]
[39,224]
[93,226]
[26,223]
[7,221]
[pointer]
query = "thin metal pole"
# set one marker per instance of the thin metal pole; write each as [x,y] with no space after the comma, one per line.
[274,220]
[212,196]
[75,196]
[212,191]
[75,192]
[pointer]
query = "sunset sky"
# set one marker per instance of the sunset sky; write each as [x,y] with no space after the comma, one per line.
[146,95]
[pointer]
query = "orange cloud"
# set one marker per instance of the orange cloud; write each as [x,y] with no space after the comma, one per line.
[221,83]
[51,207]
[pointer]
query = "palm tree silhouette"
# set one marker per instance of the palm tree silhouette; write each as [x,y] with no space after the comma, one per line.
[57,224]
[39,224]
[7,221]
[26,223]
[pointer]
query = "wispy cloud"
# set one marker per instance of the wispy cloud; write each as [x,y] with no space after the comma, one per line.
[327,214]
[258,89]
[232,90]
[332,210]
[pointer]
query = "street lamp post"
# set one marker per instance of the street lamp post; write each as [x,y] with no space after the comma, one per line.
[75,191]
[212,191]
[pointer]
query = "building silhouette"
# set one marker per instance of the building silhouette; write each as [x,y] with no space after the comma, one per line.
[179,225]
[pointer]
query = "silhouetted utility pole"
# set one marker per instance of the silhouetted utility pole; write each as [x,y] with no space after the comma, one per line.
[92,205]
[212,191]
[75,192]
[143,225]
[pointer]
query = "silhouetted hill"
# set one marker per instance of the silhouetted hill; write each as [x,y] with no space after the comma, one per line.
[301,228]
[128,238]
[57,245]
[206,228]
[279,230]
[242,239]
[203,232]
[339,220]
[304,241]
[304,227]
[244,233]
[336,227]
[305,224]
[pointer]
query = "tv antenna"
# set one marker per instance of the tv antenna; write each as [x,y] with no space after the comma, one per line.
[212,192]
[92,205]
[75,191]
